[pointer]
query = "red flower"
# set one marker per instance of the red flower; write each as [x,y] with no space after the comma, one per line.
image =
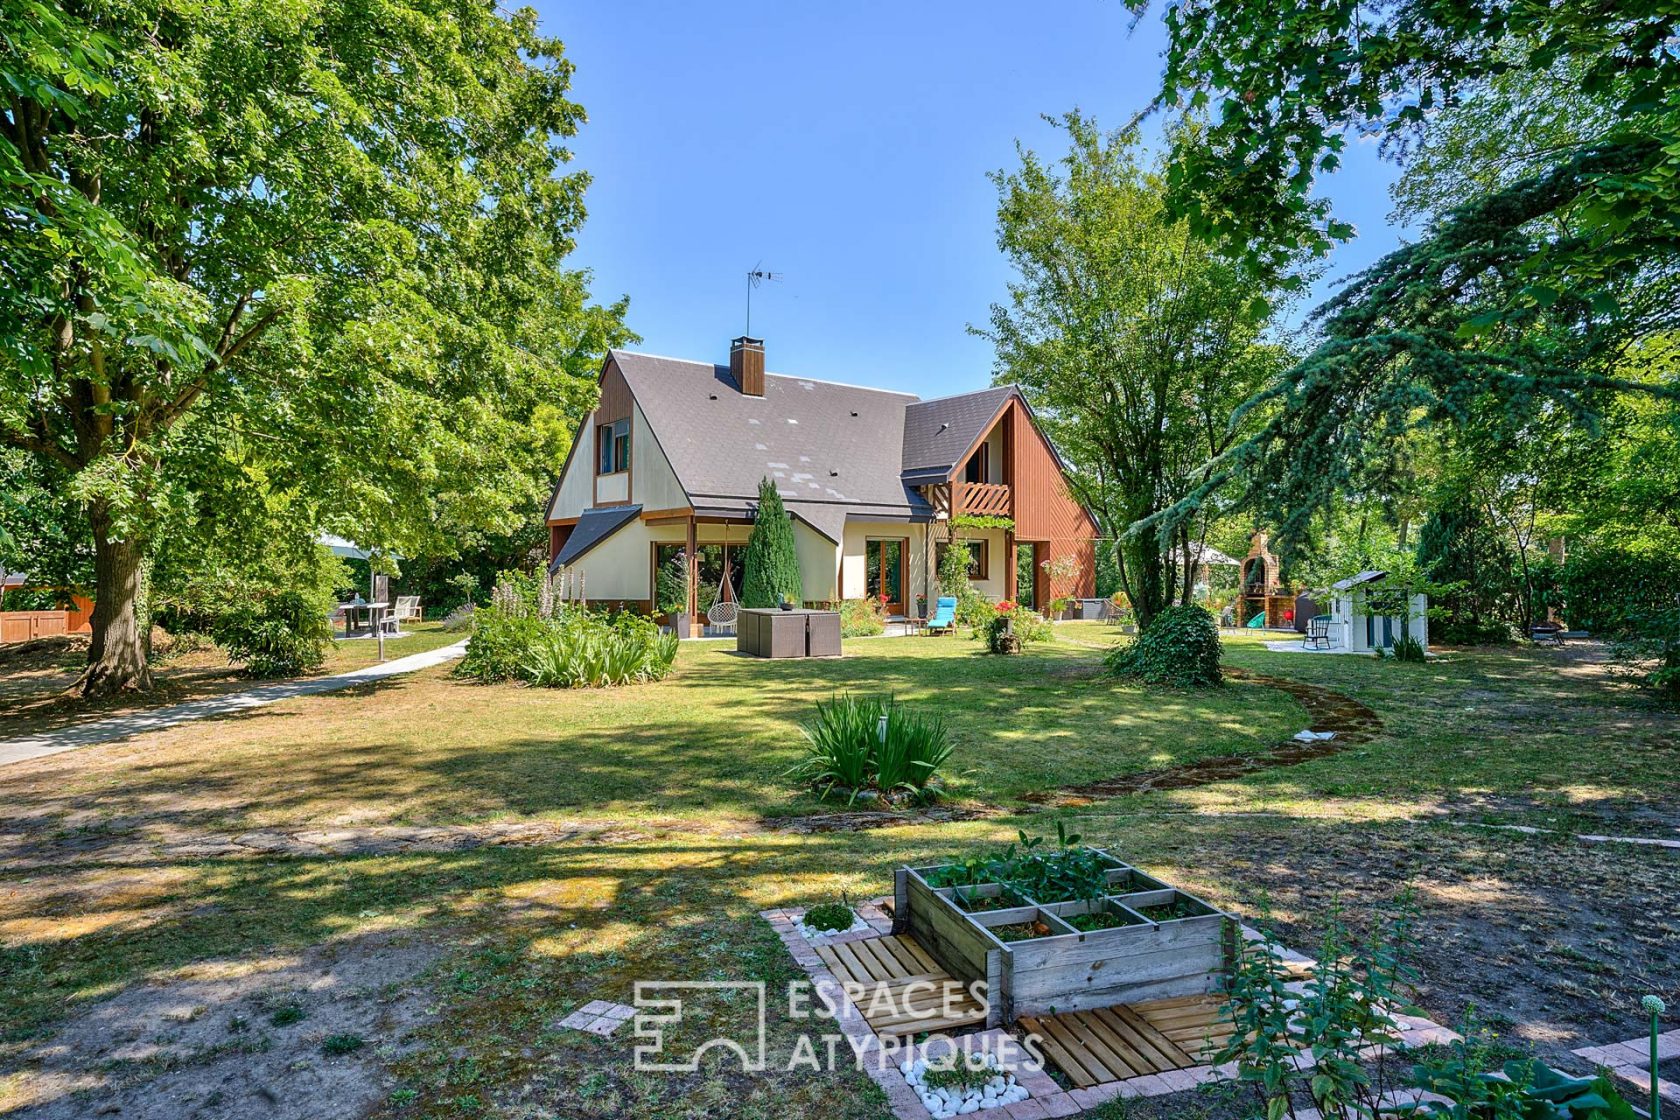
[1005,607]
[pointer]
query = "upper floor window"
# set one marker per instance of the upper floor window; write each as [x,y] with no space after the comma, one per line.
[612,444]
[977,567]
[976,470]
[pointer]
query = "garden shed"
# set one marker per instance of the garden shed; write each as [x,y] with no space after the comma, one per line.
[1368,614]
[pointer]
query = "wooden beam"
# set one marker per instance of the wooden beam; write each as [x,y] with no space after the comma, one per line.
[691,552]
[667,516]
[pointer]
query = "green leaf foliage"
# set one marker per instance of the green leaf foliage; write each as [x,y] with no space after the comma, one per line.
[770,564]
[283,635]
[308,259]
[1179,649]
[1132,339]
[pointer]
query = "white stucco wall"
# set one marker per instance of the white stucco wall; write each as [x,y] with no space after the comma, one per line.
[819,563]
[620,567]
[577,486]
[857,536]
[656,485]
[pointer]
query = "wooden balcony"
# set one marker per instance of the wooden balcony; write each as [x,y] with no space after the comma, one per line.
[983,499]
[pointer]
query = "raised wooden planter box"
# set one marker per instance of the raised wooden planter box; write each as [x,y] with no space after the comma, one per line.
[1173,944]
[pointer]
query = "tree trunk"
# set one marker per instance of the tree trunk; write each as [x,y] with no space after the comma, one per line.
[117,653]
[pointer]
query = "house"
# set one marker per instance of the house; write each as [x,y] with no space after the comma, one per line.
[1366,616]
[663,479]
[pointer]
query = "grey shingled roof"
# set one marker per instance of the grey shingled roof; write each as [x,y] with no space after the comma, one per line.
[593,527]
[938,432]
[1368,576]
[831,449]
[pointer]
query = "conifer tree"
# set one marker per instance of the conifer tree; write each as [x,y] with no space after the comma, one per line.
[771,563]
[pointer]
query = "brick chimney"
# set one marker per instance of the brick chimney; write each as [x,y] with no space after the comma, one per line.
[746,365]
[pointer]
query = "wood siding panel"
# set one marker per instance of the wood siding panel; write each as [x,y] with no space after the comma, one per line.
[1045,511]
[616,400]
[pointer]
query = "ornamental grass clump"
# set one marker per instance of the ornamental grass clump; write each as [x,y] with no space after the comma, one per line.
[573,647]
[871,746]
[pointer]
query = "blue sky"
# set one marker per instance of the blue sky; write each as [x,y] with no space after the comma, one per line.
[846,147]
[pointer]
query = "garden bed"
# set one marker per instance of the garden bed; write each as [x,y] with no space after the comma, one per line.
[1138,939]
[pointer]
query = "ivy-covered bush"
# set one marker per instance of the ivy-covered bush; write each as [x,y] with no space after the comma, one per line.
[1178,649]
[281,635]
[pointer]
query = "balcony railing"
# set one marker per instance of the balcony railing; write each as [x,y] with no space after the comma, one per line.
[986,499]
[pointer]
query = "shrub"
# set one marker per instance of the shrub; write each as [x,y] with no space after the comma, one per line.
[861,618]
[845,749]
[503,638]
[953,573]
[671,586]
[577,648]
[974,611]
[281,636]
[770,565]
[1179,649]
[1408,648]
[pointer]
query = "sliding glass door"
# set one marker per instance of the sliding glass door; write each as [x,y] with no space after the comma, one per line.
[883,564]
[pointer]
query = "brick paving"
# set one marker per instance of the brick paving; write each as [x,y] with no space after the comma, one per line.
[1631,1061]
[1049,1100]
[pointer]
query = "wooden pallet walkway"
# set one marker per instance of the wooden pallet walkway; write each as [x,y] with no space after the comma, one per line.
[902,990]
[1115,1043]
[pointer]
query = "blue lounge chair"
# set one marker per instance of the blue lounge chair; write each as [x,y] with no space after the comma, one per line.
[944,615]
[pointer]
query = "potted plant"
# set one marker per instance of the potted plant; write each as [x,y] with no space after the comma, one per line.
[1059,608]
[921,606]
[786,604]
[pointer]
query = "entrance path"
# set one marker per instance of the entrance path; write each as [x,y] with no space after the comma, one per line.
[121,727]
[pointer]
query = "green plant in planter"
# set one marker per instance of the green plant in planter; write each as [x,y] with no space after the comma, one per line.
[958,1074]
[832,917]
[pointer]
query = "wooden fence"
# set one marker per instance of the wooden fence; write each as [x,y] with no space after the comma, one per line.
[23,626]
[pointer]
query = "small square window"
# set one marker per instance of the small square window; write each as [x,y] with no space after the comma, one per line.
[612,447]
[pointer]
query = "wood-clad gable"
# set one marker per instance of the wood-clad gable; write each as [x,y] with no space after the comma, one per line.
[1044,509]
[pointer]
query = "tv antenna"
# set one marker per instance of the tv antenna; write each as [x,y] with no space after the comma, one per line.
[754,278]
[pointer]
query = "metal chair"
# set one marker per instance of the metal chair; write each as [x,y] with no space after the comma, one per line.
[1318,633]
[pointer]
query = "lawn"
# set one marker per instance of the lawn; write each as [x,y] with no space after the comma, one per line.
[32,685]
[467,864]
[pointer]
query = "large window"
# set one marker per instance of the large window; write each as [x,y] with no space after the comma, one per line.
[976,557]
[715,563]
[612,443]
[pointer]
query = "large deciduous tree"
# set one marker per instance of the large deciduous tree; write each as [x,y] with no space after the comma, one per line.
[1132,339]
[308,255]
[1551,137]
